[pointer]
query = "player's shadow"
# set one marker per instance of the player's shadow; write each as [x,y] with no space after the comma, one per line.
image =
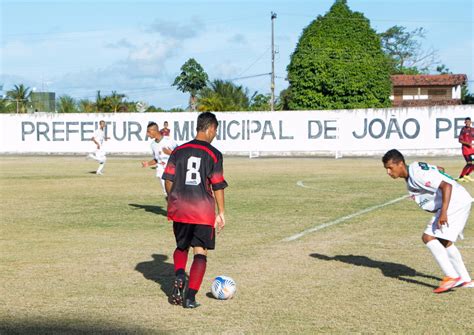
[151,208]
[159,271]
[391,270]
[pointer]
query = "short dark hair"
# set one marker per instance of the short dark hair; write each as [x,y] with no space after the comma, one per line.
[467,119]
[393,155]
[152,124]
[205,120]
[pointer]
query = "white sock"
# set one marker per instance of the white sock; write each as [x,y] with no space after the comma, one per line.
[457,262]
[101,167]
[440,254]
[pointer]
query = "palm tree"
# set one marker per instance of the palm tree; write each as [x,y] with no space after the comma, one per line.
[20,94]
[6,106]
[115,100]
[222,96]
[66,104]
[86,106]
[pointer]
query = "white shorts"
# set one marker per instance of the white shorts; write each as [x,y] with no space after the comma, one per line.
[100,155]
[457,220]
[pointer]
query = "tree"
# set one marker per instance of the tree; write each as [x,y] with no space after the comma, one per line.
[223,96]
[86,106]
[66,104]
[192,79]
[405,50]
[466,97]
[260,102]
[99,103]
[282,102]
[20,96]
[7,106]
[339,63]
[115,101]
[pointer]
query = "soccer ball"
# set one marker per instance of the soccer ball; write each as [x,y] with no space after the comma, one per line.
[223,287]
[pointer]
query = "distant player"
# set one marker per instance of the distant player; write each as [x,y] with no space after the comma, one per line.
[438,193]
[99,155]
[161,147]
[195,183]
[165,130]
[466,137]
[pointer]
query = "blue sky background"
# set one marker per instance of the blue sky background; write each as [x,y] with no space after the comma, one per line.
[137,48]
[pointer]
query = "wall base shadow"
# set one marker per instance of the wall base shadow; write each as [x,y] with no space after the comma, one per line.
[151,209]
[389,269]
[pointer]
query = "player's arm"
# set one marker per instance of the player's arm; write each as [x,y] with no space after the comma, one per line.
[446,189]
[220,218]
[149,163]
[167,151]
[96,143]
[168,186]
[462,140]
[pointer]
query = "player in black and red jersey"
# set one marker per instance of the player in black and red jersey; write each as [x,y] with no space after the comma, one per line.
[466,137]
[194,181]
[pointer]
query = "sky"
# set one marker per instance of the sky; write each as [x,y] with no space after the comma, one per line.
[136,48]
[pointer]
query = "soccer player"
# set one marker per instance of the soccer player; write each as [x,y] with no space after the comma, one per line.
[195,183]
[161,147]
[165,130]
[99,155]
[465,138]
[436,192]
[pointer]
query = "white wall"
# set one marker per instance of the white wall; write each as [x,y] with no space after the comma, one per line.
[420,130]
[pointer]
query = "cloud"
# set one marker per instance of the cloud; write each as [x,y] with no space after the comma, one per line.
[122,43]
[238,39]
[176,30]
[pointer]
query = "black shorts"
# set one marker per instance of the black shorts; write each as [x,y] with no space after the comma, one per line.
[194,235]
[468,158]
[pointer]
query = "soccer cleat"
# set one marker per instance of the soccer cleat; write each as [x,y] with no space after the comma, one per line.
[191,304]
[468,284]
[446,284]
[177,296]
[462,180]
[99,173]
[466,177]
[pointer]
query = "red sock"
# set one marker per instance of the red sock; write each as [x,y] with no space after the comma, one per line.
[466,170]
[470,168]
[196,274]
[180,258]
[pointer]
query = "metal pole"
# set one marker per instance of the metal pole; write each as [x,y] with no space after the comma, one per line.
[272,85]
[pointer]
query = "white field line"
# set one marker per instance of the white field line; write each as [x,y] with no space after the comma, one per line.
[342,219]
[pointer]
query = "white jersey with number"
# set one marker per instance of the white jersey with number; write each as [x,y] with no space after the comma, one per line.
[157,148]
[423,186]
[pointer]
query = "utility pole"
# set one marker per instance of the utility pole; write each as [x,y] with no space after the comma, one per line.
[272,85]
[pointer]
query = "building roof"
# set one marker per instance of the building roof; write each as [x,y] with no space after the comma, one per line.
[428,79]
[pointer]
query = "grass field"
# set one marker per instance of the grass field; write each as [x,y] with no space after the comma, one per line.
[82,253]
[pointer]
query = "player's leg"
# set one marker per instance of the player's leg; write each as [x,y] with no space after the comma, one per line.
[204,239]
[101,158]
[159,173]
[183,236]
[457,221]
[467,169]
[470,168]
[456,260]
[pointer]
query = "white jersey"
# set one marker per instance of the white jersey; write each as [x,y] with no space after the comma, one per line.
[423,186]
[157,148]
[99,136]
